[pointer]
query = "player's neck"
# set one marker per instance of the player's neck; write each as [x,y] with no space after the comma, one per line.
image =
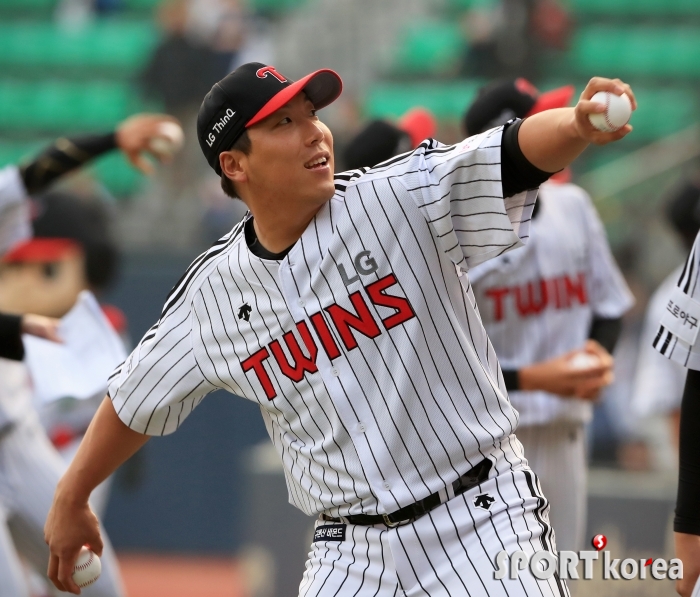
[278,230]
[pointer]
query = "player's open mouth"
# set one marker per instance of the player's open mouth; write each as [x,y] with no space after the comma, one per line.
[317,163]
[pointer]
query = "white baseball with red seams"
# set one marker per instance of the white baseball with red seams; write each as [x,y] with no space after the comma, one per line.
[618,110]
[87,568]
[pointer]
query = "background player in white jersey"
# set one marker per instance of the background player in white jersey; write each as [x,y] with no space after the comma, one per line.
[541,304]
[658,387]
[677,339]
[342,307]
[31,467]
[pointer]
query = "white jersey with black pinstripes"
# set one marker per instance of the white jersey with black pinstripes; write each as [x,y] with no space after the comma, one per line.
[537,303]
[677,336]
[374,375]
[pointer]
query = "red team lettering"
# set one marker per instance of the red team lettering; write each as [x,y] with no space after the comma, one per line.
[532,298]
[344,322]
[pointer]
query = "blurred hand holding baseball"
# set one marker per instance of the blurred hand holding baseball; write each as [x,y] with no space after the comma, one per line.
[159,134]
[75,526]
[577,374]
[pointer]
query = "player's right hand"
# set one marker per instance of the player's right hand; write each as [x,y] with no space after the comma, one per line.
[69,526]
[134,136]
[557,376]
[585,107]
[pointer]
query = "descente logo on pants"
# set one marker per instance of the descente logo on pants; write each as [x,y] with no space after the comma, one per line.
[361,321]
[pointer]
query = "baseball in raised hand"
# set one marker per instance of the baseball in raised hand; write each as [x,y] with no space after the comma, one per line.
[588,107]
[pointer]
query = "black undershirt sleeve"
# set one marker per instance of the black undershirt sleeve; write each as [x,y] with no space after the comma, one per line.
[517,173]
[64,155]
[11,346]
[687,518]
[606,331]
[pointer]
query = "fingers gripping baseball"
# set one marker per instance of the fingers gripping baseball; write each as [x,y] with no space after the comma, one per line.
[158,134]
[68,528]
[587,107]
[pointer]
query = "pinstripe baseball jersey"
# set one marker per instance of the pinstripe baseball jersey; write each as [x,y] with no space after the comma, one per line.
[677,335]
[363,346]
[538,302]
[658,382]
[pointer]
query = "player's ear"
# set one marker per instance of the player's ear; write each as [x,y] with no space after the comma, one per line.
[233,165]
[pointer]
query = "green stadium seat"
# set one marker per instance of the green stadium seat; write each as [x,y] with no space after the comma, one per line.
[109,47]
[58,106]
[274,6]
[446,100]
[117,174]
[430,48]
[632,8]
[637,51]
[662,112]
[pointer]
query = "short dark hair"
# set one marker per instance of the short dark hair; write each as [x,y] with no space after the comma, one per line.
[244,145]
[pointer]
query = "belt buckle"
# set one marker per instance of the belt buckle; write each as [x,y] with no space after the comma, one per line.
[393,525]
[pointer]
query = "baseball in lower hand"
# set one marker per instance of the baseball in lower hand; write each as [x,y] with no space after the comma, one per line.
[87,568]
[618,110]
[168,140]
[583,360]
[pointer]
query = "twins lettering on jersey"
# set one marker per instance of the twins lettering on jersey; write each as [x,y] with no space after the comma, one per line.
[532,298]
[343,322]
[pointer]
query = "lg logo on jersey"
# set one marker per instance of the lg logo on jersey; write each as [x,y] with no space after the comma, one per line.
[364,265]
[345,323]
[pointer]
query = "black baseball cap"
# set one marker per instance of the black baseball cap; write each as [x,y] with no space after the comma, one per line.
[501,101]
[377,142]
[247,95]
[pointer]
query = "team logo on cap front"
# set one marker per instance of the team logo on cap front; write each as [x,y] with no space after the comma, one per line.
[270,70]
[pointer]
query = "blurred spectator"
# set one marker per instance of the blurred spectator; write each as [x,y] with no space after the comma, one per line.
[201,39]
[506,37]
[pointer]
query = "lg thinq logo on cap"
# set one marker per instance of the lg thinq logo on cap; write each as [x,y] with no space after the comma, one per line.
[219,126]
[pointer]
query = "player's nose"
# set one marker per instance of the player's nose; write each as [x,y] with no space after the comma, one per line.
[316,133]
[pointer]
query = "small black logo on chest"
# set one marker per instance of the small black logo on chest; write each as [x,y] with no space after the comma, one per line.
[244,312]
[484,501]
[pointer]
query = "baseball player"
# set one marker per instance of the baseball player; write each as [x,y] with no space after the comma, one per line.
[659,382]
[677,339]
[543,303]
[342,307]
[31,467]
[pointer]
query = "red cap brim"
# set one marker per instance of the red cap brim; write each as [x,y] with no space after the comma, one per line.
[322,87]
[41,250]
[556,98]
[419,123]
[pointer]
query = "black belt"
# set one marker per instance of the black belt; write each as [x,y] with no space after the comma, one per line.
[470,479]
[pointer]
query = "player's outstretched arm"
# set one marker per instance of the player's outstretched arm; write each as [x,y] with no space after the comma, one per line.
[107,444]
[552,139]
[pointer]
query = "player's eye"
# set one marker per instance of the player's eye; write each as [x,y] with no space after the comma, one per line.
[285,120]
[313,112]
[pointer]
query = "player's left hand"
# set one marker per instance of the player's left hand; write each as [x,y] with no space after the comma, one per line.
[583,127]
[41,327]
[688,550]
[134,136]
[590,388]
